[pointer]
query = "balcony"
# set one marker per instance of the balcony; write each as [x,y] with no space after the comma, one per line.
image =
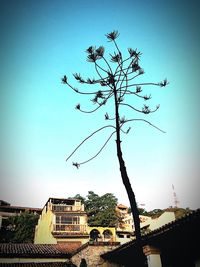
[69,230]
[67,208]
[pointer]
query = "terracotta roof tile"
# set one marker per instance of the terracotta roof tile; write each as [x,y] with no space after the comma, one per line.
[35,264]
[37,250]
[122,206]
[69,247]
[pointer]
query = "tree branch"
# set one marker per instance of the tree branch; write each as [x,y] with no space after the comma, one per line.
[145,122]
[124,104]
[90,111]
[81,163]
[141,84]
[84,93]
[100,129]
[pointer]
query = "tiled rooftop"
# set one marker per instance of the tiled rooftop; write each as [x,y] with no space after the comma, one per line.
[37,250]
[182,225]
[35,264]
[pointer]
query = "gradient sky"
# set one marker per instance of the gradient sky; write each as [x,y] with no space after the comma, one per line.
[43,40]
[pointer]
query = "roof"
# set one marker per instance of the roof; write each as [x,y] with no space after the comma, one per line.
[15,208]
[4,203]
[190,219]
[172,237]
[34,264]
[67,201]
[63,200]
[38,250]
[122,206]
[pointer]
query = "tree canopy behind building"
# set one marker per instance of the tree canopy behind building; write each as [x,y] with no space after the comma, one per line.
[19,228]
[101,210]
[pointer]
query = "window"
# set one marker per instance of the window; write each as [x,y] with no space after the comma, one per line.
[120,236]
[66,219]
[61,208]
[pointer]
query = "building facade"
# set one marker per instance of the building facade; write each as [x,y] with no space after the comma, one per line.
[61,221]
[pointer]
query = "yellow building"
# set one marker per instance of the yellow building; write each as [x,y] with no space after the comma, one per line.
[61,221]
[65,220]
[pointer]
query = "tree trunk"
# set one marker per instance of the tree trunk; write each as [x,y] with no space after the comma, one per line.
[127,184]
[133,204]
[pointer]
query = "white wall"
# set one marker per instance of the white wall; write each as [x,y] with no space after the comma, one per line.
[165,218]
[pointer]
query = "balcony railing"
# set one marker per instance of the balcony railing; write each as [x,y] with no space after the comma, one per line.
[64,208]
[69,228]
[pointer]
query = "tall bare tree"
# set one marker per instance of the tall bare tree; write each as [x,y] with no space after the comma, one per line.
[117,83]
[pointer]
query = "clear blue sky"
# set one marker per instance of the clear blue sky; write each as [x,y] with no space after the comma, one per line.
[43,40]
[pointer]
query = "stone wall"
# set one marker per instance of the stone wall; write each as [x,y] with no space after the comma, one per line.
[91,253]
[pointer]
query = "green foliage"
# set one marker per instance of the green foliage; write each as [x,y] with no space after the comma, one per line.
[142,212]
[19,229]
[6,233]
[100,209]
